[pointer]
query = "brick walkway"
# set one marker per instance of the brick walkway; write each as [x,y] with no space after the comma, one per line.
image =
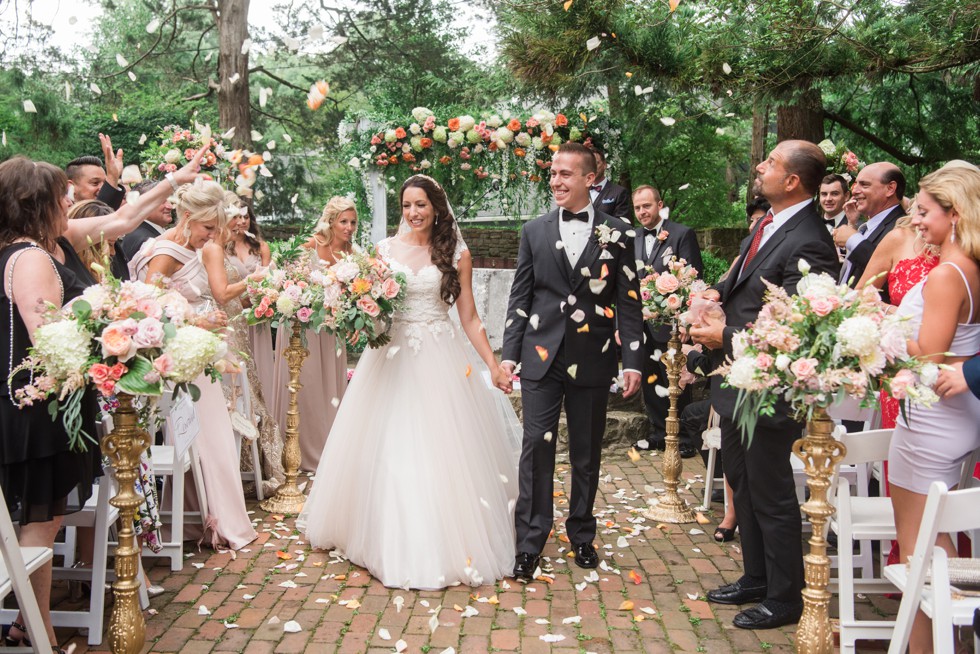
[648,595]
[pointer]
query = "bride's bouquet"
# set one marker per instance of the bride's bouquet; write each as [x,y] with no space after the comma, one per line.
[360,295]
[666,295]
[290,291]
[819,346]
[127,337]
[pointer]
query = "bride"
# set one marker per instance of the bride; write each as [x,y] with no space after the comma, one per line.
[418,479]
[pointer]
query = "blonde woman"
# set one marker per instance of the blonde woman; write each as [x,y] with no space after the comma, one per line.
[324,374]
[176,256]
[227,287]
[931,444]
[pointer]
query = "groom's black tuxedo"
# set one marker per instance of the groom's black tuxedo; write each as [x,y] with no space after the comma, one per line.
[681,242]
[761,476]
[561,329]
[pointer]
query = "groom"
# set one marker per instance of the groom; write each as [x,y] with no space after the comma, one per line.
[575,284]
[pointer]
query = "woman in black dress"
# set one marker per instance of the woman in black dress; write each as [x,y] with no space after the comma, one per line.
[38,471]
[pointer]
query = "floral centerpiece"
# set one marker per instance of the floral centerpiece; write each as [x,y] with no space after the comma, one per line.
[290,292]
[174,146]
[360,295]
[824,343]
[841,160]
[128,337]
[666,295]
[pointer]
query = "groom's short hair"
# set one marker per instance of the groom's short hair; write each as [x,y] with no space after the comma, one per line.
[585,155]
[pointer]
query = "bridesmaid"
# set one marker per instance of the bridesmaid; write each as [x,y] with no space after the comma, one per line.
[227,287]
[176,255]
[324,373]
[247,252]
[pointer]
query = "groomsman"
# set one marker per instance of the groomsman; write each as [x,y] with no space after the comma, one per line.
[657,240]
[761,476]
[575,282]
[833,196]
[878,194]
[609,198]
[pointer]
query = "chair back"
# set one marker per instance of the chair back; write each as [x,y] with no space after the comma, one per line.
[16,571]
[866,446]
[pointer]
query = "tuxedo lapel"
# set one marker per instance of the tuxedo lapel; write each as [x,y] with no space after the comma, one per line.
[554,236]
[588,256]
[770,246]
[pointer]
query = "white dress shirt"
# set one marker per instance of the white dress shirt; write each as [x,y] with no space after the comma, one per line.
[778,220]
[650,239]
[575,233]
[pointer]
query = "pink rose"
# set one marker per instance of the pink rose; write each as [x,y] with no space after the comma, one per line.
[764,361]
[850,161]
[667,283]
[804,368]
[99,372]
[368,306]
[116,342]
[898,387]
[390,288]
[150,307]
[304,314]
[107,388]
[674,302]
[149,333]
[117,371]
[163,364]
[822,306]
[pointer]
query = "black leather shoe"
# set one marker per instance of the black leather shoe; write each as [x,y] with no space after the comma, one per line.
[524,566]
[586,556]
[687,451]
[769,615]
[742,591]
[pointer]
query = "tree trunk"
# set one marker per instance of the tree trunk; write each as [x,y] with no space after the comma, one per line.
[615,108]
[802,118]
[760,129]
[233,107]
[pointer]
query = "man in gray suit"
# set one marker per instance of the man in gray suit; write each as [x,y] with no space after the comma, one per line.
[575,282]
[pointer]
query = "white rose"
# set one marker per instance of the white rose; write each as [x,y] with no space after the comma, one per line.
[783,361]
[415,128]
[345,270]
[803,266]
[494,121]
[742,373]
[929,374]
[172,156]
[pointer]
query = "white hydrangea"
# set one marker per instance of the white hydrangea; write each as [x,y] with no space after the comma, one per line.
[64,347]
[421,113]
[190,351]
[858,336]
[742,373]
[817,286]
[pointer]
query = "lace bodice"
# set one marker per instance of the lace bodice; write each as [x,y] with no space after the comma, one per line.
[423,308]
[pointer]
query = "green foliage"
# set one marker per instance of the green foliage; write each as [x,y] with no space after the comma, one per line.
[714,267]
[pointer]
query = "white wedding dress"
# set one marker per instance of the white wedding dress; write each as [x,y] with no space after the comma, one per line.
[418,479]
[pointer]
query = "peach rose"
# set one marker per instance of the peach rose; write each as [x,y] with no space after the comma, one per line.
[667,283]
[898,387]
[390,288]
[163,364]
[674,302]
[99,372]
[116,342]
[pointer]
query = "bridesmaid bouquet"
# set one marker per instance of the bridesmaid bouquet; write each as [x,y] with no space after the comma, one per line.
[119,337]
[288,292]
[666,295]
[824,343]
[360,295]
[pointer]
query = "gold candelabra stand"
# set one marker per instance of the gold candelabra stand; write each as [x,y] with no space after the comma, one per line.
[289,498]
[820,453]
[671,507]
[123,447]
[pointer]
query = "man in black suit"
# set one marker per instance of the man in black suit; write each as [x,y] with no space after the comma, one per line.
[575,283]
[657,240]
[154,225]
[833,195]
[608,198]
[878,194]
[88,180]
[761,476]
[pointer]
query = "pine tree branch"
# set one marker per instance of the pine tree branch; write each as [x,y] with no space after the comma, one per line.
[905,158]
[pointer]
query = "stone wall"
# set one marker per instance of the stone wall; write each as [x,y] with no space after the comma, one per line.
[723,242]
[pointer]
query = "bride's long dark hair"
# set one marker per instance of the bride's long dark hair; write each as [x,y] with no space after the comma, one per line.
[444,238]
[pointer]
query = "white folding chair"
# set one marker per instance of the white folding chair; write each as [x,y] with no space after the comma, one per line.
[863,520]
[16,565]
[946,512]
[243,405]
[711,437]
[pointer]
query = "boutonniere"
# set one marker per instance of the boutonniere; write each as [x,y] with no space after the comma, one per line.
[662,236]
[606,234]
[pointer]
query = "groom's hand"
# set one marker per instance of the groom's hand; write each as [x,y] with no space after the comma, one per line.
[631,383]
[710,334]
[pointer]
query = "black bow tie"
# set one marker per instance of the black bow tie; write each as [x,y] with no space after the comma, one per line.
[582,215]
[651,232]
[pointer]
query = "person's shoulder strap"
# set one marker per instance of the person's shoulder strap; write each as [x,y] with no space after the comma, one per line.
[9,287]
[969,294]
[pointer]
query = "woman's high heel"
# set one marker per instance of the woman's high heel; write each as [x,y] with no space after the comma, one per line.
[724,534]
[11,641]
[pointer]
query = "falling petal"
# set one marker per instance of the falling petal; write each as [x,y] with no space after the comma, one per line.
[287,138]
[662,391]
[683,187]
[542,352]
[597,285]
[152,26]
[633,455]
[547,437]
[573,370]
[726,68]
[383,634]
[67,92]
[3,139]
[229,134]
[234,78]
[533,321]
[131,75]
[256,135]
[578,315]
[584,329]
[246,46]
[292,627]
[29,107]
[592,43]
[121,60]
[568,4]
[667,120]
[673,5]
[635,577]
[605,346]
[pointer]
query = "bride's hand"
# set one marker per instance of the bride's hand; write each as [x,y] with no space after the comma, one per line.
[503,379]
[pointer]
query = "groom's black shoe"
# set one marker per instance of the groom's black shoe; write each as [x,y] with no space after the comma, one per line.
[524,566]
[743,591]
[586,556]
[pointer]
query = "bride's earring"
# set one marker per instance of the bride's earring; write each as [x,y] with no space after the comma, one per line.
[952,239]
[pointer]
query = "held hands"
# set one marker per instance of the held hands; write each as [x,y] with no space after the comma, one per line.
[631,383]
[710,333]
[113,162]
[503,378]
[951,381]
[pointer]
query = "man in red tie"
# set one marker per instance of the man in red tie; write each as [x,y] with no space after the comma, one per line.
[761,476]
[611,199]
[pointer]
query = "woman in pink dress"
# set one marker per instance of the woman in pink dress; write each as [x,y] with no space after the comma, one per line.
[176,256]
[324,373]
